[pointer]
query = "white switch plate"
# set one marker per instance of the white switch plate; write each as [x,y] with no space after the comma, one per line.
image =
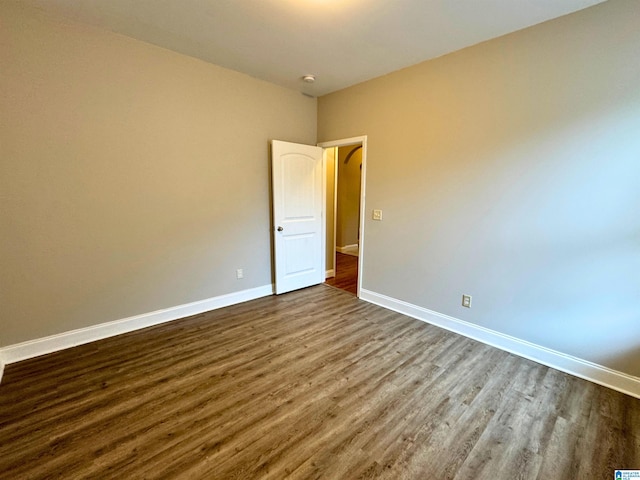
[466,301]
[377,214]
[239,273]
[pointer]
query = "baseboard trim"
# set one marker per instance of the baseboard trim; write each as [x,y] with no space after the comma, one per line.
[53,343]
[348,249]
[330,273]
[578,367]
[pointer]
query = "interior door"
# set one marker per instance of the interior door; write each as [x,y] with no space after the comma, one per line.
[298,199]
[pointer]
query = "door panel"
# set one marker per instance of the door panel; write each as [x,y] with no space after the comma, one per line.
[298,196]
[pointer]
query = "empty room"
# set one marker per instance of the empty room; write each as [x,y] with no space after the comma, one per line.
[173,298]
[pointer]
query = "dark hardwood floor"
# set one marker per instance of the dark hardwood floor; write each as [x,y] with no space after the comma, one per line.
[346,274]
[311,384]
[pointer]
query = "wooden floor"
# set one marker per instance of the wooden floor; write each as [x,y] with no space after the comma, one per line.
[346,273]
[311,384]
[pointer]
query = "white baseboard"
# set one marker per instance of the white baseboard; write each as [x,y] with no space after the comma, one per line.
[578,367]
[348,249]
[53,343]
[330,273]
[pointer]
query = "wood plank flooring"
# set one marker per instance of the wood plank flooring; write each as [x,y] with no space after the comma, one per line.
[311,384]
[346,273]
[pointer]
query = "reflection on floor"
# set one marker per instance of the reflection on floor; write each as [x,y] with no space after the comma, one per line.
[346,273]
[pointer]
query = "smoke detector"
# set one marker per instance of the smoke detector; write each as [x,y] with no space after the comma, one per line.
[309,78]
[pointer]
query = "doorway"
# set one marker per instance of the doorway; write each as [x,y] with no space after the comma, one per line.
[345,162]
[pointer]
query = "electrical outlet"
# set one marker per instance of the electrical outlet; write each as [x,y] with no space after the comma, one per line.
[466,301]
[377,214]
[239,273]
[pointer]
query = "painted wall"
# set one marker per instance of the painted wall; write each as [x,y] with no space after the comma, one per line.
[510,171]
[329,207]
[132,178]
[348,204]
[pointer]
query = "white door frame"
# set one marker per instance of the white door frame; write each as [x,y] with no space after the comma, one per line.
[362,140]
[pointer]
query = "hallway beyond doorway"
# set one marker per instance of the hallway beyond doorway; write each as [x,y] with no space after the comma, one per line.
[346,277]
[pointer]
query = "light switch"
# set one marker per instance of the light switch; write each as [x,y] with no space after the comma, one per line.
[377,214]
[466,301]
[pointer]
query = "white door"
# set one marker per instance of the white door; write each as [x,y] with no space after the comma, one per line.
[298,199]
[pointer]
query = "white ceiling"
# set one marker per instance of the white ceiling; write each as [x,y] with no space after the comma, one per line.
[342,42]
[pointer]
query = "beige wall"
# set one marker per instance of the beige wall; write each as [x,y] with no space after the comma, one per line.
[131,178]
[348,204]
[511,171]
[329,207]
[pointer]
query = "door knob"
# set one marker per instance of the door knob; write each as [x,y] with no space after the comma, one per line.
[280,229]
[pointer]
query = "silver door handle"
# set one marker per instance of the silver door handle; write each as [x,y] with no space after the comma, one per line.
[280,229]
